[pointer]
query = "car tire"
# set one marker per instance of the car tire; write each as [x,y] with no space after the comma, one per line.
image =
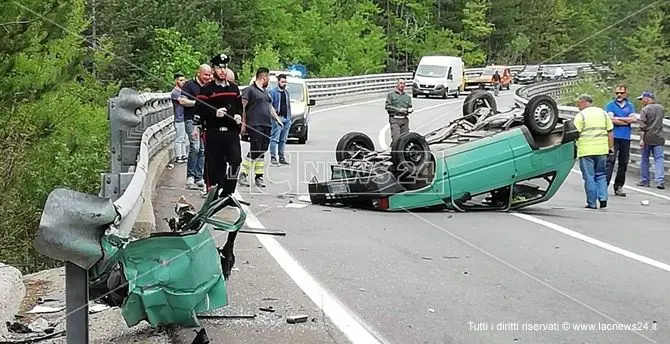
[350,143]
[475,100]
[303,139]
[410,152]
[541,115]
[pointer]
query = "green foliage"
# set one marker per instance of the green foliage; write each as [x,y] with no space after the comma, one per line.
[264,56]
[54,128]
[648,67]
[173,54]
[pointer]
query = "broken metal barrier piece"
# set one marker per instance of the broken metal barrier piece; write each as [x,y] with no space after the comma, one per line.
[295,319]
[167,278]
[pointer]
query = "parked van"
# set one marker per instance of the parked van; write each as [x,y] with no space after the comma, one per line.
[439,76]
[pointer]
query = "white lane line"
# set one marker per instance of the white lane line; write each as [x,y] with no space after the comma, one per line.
[346,106]
[382,133]
[351,325]
[634,188]
[593,241]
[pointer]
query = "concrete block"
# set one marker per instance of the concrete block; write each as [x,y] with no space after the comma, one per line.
[146,220]
[12,292]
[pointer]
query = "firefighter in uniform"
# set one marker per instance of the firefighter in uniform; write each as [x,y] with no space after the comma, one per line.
[594,145]
[220,106]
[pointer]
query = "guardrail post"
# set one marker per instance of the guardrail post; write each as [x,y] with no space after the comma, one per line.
[76,304]
[122,116]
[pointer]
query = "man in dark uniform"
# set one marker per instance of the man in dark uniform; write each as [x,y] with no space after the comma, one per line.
[257,122]
[220,108]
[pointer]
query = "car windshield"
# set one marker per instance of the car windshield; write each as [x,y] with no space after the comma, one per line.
[432,71]
[295,90]
[530,70]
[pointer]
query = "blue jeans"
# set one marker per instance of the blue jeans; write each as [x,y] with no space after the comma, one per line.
[195,165]
[278,137]
[594,172]
[657,152]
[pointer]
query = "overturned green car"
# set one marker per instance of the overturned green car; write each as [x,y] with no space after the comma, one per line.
[484,160]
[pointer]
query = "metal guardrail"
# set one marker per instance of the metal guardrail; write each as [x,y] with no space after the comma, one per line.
[141,126]
[561,90]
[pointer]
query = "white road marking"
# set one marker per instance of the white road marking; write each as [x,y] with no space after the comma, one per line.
[352,326]
[345,106]
[593,241]
[642,191]
[382,133]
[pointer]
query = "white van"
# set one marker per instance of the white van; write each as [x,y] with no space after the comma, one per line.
[439,75]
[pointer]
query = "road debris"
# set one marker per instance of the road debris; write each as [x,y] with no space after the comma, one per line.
[297,206]
[267,309]
[201,337]
[39,309]
[426,258]
[363,289]
[39,325]
[450,257]
[295,319]
[430,310]
[645,202]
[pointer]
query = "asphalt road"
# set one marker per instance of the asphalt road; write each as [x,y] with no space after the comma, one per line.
[443,277]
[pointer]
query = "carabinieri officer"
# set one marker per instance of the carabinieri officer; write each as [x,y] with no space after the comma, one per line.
[220,109]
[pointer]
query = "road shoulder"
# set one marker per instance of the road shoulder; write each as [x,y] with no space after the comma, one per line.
[257,282]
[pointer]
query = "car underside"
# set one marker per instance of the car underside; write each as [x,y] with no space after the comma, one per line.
[463,165]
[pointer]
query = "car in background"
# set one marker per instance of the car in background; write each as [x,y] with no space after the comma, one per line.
[528,75]
[300,103]
[485,80]
[571,72]
[439,75]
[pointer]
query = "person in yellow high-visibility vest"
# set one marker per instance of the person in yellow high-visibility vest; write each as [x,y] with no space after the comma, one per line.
[595,143]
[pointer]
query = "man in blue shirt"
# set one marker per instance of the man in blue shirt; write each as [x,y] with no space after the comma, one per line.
[623,115]
[281,101]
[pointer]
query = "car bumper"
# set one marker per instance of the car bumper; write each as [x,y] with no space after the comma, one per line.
[432,91]
[524,80]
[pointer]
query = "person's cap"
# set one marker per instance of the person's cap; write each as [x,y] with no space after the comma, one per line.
[647,94]
[220,60]
[178,75]
[585,97]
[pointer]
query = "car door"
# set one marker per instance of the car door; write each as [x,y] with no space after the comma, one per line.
[480,166]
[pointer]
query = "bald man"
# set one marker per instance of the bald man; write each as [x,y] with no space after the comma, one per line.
[196,153]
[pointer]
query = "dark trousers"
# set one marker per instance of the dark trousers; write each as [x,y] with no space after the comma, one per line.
[223,156]
[622,157]
[259,141]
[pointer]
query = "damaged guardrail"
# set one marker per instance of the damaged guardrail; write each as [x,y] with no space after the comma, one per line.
[561,90]
[92,234]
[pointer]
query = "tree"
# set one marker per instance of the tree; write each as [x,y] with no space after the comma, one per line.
[648,65]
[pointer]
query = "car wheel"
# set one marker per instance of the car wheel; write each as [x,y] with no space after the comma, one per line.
[410,152]
[303,139]
[541,115]
[478,99]
[350,144]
